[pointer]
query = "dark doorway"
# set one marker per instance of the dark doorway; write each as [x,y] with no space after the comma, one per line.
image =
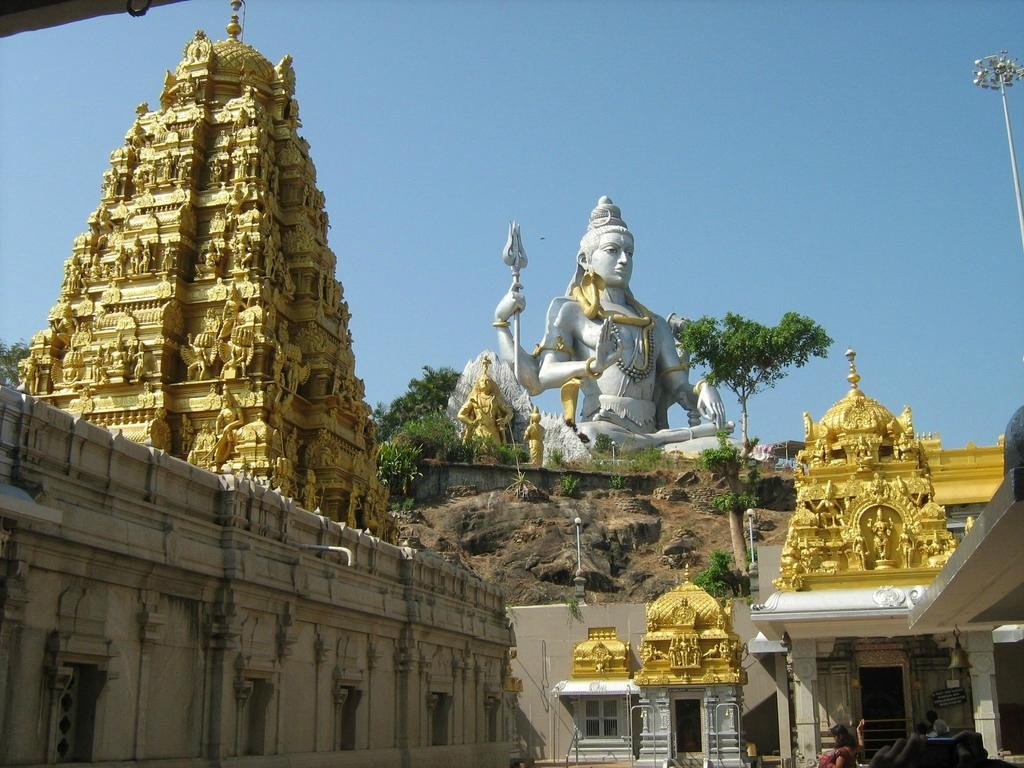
[688,730]
[882,706]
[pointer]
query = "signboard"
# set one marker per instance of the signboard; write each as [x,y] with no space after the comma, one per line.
[947,697]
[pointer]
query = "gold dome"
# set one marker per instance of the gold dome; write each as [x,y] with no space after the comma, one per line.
[857,413]
[231,56]
[686,606]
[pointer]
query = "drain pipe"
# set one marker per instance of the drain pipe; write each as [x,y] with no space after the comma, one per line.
[350,555]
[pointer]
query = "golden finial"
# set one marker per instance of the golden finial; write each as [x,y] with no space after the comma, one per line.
[853,376]
[234,29]
[686,573]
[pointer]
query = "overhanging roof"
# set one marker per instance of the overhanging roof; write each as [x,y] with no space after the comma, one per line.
[983,582]
[604,687]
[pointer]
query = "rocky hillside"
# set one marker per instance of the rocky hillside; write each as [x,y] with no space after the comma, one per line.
[635,544]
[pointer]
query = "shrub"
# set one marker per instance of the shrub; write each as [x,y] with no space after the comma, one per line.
[617,482]
[557,458]
[397,466]
[646,460]
[511,454]
[569,485]
[434,435]
[715,579]
[602,444]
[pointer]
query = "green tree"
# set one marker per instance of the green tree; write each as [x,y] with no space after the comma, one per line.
[727,462]
[425,395]
[10,355]
[747,357]
[716,579]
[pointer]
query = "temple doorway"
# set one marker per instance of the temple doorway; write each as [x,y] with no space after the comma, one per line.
[689,734]
[883,706]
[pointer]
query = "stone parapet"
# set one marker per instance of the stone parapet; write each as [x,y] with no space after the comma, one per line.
[197,617]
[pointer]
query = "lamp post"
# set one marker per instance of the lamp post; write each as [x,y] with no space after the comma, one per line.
[750,529]
[579,581]
[997,72]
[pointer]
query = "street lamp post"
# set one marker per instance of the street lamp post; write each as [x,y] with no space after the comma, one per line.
[750,528]
[997,72]
[579,582]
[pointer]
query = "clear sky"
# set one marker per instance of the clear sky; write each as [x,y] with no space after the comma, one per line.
[831,158]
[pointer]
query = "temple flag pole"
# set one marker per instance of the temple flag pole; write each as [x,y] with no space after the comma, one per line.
[514,255]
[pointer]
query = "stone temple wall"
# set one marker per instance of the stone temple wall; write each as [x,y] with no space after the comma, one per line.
[150,609]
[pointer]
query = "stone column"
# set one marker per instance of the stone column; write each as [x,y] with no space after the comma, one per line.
[13,599]
[150,633]
[223,644]
[983,689]
[656,728]
[725,747]
[782,705]
[805,701]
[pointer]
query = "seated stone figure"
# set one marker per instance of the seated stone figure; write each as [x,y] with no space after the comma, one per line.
[600,340]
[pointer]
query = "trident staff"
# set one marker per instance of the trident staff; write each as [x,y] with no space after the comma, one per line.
[514,255]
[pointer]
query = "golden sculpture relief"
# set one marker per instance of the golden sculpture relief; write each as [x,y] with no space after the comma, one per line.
[865,513]
[689,640]
[205,259]
[601,655]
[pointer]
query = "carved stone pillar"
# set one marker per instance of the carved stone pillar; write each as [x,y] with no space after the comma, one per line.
[805,700]
[222,639]
[13,599]
[724,726]
[656,728]
[151,625]
[983,689]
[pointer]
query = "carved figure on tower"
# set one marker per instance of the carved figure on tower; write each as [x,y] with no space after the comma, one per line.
[601,341]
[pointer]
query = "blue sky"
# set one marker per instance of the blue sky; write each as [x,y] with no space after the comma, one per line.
[831,158]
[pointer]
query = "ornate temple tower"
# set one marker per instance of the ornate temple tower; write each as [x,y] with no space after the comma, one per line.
[200,312]
[865,508]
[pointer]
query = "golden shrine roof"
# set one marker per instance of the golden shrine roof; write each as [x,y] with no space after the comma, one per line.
[857,413]
[865,513]
[686,605]
[689,640]
[233,55]
[601,655]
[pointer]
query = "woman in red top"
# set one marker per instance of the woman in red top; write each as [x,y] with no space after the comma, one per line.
[843,755]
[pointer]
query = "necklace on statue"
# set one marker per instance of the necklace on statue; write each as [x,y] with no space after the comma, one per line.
[646,338]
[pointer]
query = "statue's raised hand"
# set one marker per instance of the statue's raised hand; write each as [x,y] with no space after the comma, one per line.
[710,405]
[511,304]
[607,352]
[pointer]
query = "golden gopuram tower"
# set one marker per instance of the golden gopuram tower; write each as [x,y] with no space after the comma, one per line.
[689,641]
[865,513]
[200,313]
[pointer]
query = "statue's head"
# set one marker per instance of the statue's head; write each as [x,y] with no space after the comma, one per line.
[606,248]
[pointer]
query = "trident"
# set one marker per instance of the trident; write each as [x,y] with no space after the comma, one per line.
[514,255]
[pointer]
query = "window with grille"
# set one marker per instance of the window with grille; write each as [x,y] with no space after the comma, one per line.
[76,712]
[601,718]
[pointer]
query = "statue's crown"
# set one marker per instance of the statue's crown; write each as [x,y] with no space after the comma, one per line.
[606,214]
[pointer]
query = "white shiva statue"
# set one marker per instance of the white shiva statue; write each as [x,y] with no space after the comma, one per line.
[600,340]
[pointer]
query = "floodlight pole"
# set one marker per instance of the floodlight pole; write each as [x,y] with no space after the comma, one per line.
[998,71]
